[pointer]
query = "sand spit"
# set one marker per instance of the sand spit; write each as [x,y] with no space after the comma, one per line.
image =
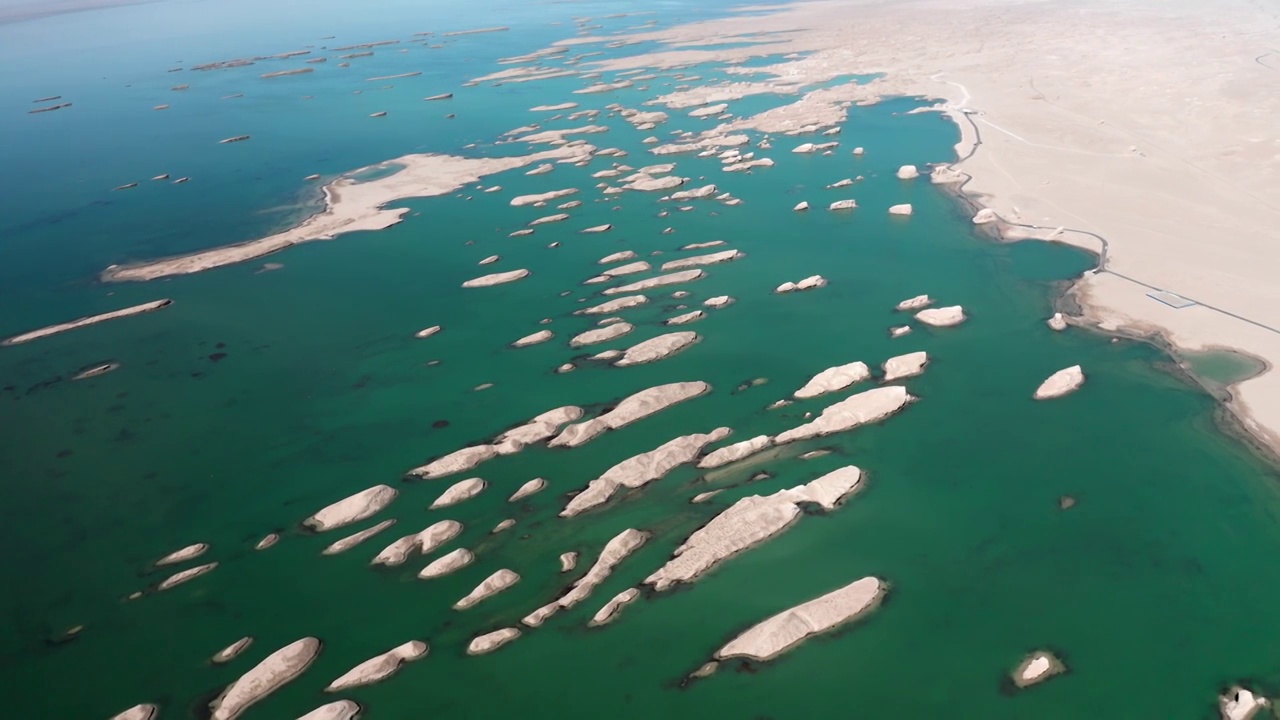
[533,486]
[610,610]
[866,407]
[659,281]
[232,651]
[492,585]
[496,278]
[49,108]
[86,321]
[459,491]
[809,283]
[350,206]
[638,471]
[355,508]
[749,522]
[833,379]
[915,303]
[189,552]
[614,552]
[685,318]
[599,335]
[520,200]
[145,711]
[178,578]
[540,428]
[355,539]
[630,409]
[336,710]
[701,245]
[1066,380]
[539,337]
[735,452]
[784,631]
[379,667]
[657,348]
[447,563]
[1036,668]
[699,260]
[596,229]
[424,543]
[540,170]
[905,366]
[489,642]
[283,73]
[1239,703]
[942,317]
[554,108]
[612,306]
[234,139]
[266,677]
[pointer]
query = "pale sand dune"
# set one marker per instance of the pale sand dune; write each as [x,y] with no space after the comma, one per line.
[1161,138]
[350,206]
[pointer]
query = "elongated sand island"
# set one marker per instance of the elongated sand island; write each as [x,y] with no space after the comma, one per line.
[629,410]
[379,667]
[362,505]
[784,631]
[87,321]
[538,429]
[277,669]
[615,551]
[749,522]
[351,206]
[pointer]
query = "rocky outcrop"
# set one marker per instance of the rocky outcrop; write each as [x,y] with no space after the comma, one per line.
[708,110]
[749,522]
[601,334]
[614,552]
[705,191]
[915,303]
[899,331]
[633,408]
[336,710]
[984,216]
[735,452]
[611,609]
[275,670]
[1239,703]
[558,217]
[658,281]
[809,283]
[833,379]
[697,260]
[455,462]
[539,337]
[232,651]
[459,491]
[638,471]
[447,563]
[1058,322]
[496,278]
[784,631]
[942,317]
[596,229]
[520,200]
[533,486]
[903,209]
[629,269]
[644,183]
[611,306]
[145,711]
[490,586]
[489,642]
[657,348]
[843,205]
[908,172]
[866,407]
[189,552]
[355,539]
[801,206]
[424,543]
[363,504]
[1036,668]
[905,366]
[178,578]
[1066,380]
[945,175]
[617,257]
[684,318]
[379,667]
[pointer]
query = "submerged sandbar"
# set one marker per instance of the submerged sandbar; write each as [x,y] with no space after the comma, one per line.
[86,321]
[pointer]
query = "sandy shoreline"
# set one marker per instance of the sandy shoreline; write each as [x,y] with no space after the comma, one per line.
[1139,132]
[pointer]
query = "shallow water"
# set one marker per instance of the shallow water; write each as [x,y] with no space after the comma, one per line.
[259,397]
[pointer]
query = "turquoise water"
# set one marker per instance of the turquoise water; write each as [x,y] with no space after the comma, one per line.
[258,398]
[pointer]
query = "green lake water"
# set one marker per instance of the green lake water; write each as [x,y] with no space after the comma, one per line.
[260,397]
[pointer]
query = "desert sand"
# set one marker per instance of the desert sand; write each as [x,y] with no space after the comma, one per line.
[780,633]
